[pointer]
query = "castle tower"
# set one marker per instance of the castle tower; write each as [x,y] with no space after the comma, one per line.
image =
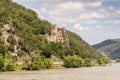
[54,30]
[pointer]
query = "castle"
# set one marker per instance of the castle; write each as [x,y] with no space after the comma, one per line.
[58,35]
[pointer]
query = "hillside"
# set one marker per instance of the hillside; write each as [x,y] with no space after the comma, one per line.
[23,42]
[110,47]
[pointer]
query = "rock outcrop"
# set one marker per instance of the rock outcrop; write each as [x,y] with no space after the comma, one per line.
[13,49]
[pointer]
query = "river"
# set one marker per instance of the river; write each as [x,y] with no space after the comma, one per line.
[90,73]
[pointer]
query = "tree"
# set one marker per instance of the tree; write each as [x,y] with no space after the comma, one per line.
[104,60]
[1,62]
[2,50]
[72,61]
[48,63]
[11,40]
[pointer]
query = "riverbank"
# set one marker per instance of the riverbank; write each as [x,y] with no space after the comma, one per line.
[85,73]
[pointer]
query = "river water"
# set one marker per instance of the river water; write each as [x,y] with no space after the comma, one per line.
[90,73]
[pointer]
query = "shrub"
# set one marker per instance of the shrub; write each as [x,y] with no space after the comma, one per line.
[104,60]
[2,50]
[72,61]
[11,40]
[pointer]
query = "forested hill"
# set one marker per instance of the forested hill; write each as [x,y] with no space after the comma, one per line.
[111,47]
[23,45]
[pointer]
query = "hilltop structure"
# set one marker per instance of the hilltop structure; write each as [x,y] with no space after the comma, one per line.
[58,35]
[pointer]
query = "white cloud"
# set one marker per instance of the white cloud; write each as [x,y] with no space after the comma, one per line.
[93,4]
[114,21]
[69,8]
[102,10]
[63,1]
[98,27]
[74,12]
[25,0]
[77,26]
[118,11]
[111,7]
[43,10]
[38,12]
[90,16]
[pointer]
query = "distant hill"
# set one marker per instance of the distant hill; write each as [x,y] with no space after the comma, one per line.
[110,47]
[23,44]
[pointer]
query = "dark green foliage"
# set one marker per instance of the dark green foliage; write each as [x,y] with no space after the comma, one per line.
[6,63]
[87,62]
[11,48]
[11,40]
[118,60]
[48,63]
[10,67]
[104,60]
[1,62]
[39,62]
[73,61]
[2,49]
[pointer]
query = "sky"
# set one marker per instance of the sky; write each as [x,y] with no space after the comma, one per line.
[93,20]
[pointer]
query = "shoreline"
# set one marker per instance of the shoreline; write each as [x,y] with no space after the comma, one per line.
[56,69]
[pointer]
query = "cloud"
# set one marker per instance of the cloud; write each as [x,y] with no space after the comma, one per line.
[25,0]
[118,11]
[69,8]
[77,26]
[76,11]
[43,10]
[98,27]
[111,7]
[38,12]
[90,16]
[63,1]
[114,21]
[72,12]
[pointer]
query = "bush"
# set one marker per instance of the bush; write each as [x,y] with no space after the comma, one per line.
[87,62]
[104,60]
[11,40]
[10,67]
[48,63]
[1,62]
[72,61]
[11,48]
[2,50]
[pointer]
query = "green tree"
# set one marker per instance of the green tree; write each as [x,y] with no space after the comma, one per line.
[11,40]
[104,60]
[72,61]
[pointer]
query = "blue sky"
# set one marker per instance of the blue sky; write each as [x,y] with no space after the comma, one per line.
[93,20]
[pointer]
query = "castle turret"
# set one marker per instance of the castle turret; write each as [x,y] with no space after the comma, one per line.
[54,30]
